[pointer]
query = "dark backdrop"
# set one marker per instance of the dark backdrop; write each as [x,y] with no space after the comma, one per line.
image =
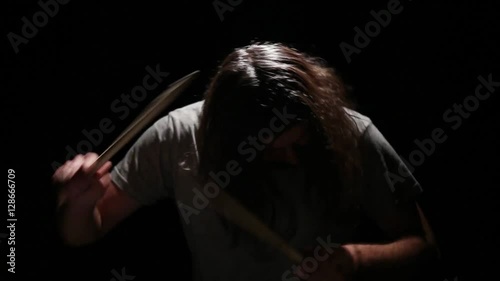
[65,78]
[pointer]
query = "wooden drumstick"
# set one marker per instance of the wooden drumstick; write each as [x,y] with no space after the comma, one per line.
[151,112]
[232,210]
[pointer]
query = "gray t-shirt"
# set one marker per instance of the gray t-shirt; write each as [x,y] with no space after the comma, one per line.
[163,161]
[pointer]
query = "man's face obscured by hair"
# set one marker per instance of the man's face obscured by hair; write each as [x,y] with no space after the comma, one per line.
[284,150]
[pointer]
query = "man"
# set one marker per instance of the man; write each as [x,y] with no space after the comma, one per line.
[276,132]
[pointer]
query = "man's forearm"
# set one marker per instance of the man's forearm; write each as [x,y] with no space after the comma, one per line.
[79,222]
[399,260]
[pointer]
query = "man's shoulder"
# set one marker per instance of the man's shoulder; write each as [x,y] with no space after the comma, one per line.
[370,136]
[361,121]
[188,113]
[184,118]
[180,124]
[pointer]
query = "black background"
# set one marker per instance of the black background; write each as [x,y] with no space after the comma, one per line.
[66,77]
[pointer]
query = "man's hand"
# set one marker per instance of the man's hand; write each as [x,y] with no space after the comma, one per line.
[90,204]
[339,266]
[77,183]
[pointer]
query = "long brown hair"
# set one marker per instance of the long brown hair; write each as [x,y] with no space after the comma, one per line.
[249,84]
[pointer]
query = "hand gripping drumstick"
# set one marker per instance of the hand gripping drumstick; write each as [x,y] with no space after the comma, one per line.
[223,203]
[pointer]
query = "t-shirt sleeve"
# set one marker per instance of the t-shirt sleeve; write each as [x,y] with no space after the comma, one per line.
[387,179]
[144,173]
